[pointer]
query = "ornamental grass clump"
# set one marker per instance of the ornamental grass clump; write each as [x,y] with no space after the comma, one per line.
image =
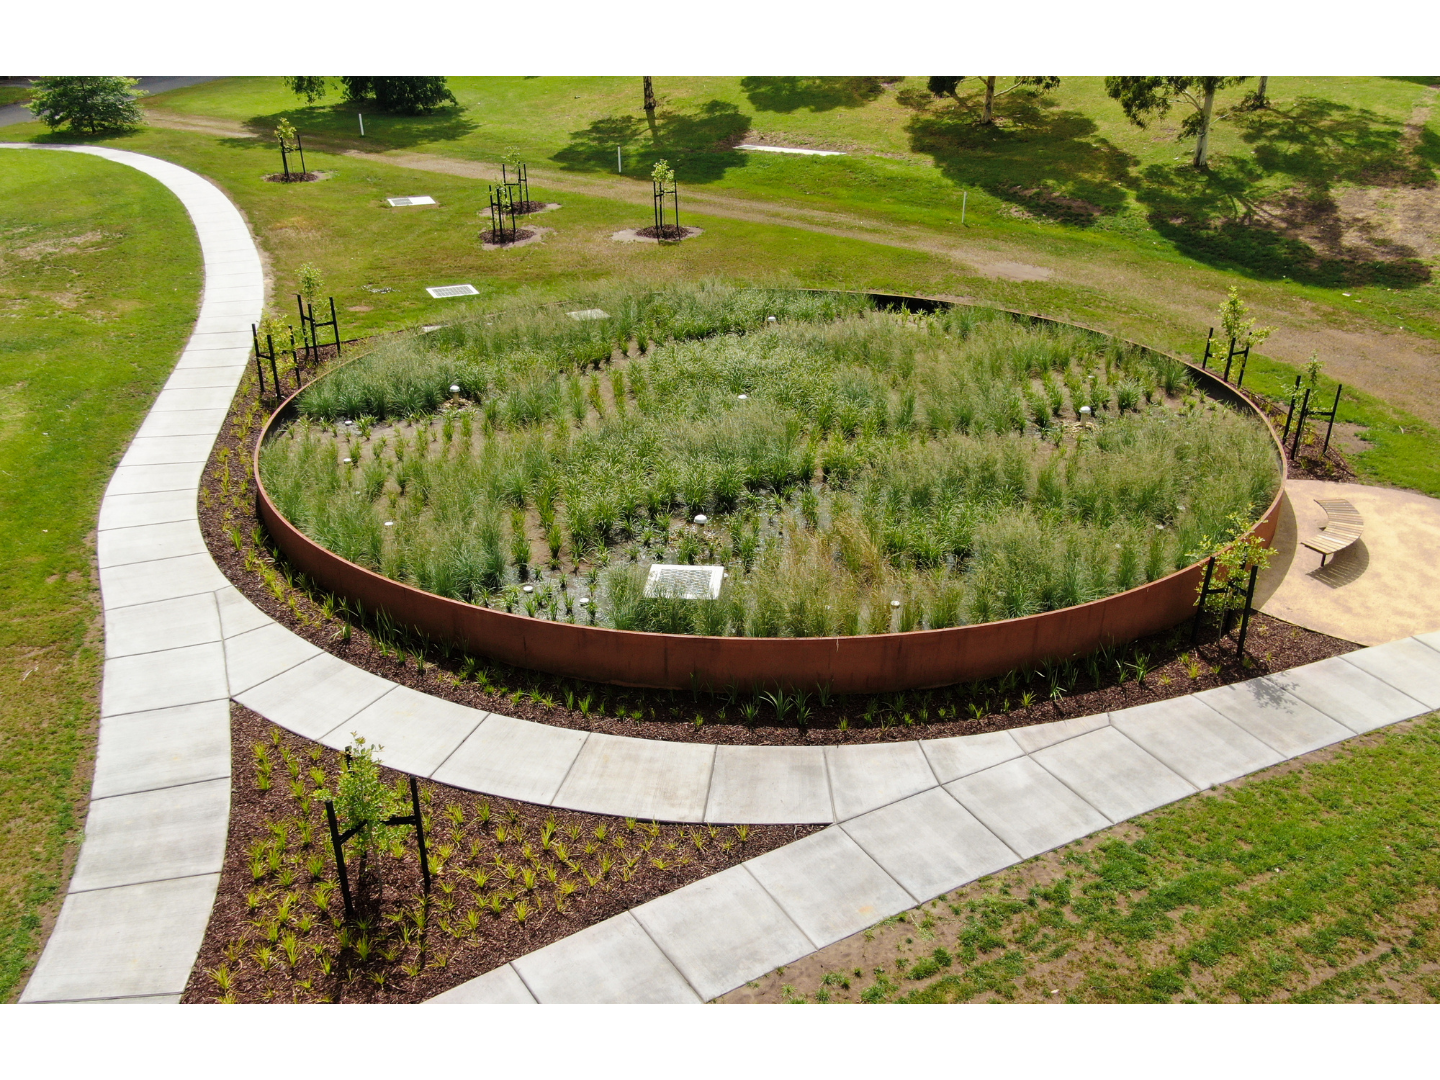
[859,471]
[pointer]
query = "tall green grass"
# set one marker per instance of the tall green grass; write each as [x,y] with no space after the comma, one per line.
[862,471]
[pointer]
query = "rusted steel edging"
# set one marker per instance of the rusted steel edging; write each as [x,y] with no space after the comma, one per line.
[869,663]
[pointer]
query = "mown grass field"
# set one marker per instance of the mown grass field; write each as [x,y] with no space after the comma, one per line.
[99,279]
[1316,881]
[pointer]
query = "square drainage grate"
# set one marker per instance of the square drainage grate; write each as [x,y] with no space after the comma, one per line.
[588,313]
[440,292]
[412,200]
[684,582]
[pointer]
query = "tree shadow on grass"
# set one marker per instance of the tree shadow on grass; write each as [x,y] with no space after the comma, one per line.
[383,130]
[1044,159]
[790,93]
[1321,143]
[698,144]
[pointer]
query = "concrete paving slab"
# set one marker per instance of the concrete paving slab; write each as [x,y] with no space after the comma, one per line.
[159,579]
[418,732]
[775,785]
[189,399]
[169,449]
[1113,774]
[209,357]
[161,680]
[1279,720]
[644,778]
[146,543]
[315,696]
[127,511]
[962,755]
[613,962]
[154,835]
[139,479]
[1431,640]
[165,624]
[148,750]
[501,986]
[126,942]
[1345,693]
[253,657]
[237,614]
[190,422]
[722,931]
[1031,739]
[1026,807]
[871,775]
[828,886]
[198,378]
[1194,740]
[1410,666]
[143,999]
[929,843]
[514,759]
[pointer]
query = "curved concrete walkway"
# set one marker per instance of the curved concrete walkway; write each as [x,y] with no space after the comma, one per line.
[140,897]
[1384,586]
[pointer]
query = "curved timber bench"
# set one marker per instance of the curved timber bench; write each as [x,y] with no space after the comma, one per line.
[1343,526]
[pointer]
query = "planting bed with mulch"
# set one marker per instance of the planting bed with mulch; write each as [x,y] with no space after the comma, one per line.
[294,177]
[508,878]
[509,239]
[667,232]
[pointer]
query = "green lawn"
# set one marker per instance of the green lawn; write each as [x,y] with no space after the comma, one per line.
[1311,884]
[99,279]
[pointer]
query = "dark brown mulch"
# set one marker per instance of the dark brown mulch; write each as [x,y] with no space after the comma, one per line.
[1313,460]
[417,947]
[669,232]
[294,178]
[530,206]
[990,705]
[490,236]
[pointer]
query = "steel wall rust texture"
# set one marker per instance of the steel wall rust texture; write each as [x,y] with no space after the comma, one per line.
[864,664]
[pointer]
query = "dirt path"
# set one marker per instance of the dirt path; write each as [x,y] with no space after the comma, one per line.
[1397,366]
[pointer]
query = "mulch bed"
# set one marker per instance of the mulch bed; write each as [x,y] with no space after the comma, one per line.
[294,178]
[490,236]
[278,931]
[530,206]
[669,232]
[1309,463]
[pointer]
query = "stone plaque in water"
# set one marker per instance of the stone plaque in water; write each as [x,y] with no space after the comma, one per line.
[684,582]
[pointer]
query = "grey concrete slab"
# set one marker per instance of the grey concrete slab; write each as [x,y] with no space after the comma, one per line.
[1345,693]
[201,356]
[165,624]
[929,843]
[257,655]
[237,614]
[613,962]
[1113,774]
[190,422]
[145,543]
[722,931]
[1194,740]
[189,399]
[315,696]
[140,479]
[159,579]
[143,999]
[1276,718]
[645,778]
[418,732]
[1026,807]
[154,835]
[1040,736]
[828,886]
[513,758]
[126,942]
[775,785]
[148,750]
[502,986]
[1410,666]
[161,680]
[227,377]
[127,511]
[1431,639]
[962,755]
[169,449]
[870,775]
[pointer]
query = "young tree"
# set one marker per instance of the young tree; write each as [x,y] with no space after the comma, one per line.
[1148,97]
[87,102]
[1243,331]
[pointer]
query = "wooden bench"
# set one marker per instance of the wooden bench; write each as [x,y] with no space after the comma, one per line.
[1343,526]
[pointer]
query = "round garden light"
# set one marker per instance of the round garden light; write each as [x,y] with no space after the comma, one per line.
[700,519]
[389,523]
[529,588]
[583,601]
[454,388]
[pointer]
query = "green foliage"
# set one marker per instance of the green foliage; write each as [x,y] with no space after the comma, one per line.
[310,282]
[1146,98]
[311,87]
[89,103]
[362,799]
[285,134]
[663,174]
[1232,319]
[408,94]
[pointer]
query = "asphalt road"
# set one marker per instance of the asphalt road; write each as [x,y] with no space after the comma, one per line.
[151,84]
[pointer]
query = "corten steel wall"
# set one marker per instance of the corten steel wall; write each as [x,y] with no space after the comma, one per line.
[871,663]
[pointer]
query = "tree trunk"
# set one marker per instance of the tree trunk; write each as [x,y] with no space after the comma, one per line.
[1260,92]
[987,115]
[1202,144]
[649,95]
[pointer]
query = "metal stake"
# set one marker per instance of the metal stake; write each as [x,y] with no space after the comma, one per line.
[1331,426]
[964,198]
[1200,604]
[1245,614]
[362,124]
[339,847]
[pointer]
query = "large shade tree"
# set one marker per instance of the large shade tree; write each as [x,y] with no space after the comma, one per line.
[88,103]
[397,94]
[1150,97]
[949,86]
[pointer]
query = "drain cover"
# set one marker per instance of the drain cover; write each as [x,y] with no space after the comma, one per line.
[684,582]
[588,313]
[412,200]
[439,292]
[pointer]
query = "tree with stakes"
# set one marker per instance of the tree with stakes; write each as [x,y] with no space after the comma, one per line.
[662,182]
[289,140]
[514,177]
[502,209]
